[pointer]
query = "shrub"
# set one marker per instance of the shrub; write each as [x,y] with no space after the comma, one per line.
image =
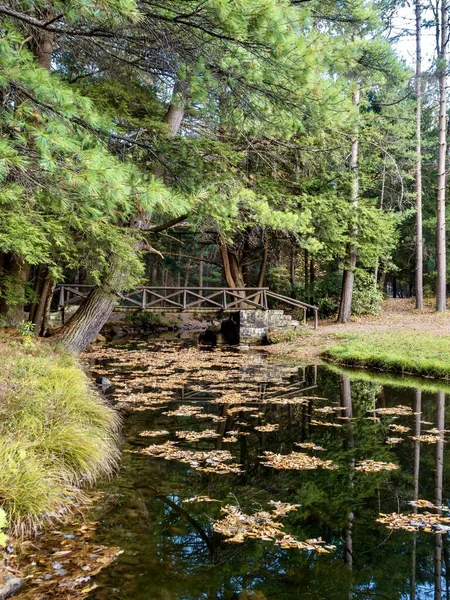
[367,297]
[147,320]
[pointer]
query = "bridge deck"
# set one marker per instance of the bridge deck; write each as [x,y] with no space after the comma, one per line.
[187,299]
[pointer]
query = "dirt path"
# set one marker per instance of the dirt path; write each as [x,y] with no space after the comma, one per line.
[398,314]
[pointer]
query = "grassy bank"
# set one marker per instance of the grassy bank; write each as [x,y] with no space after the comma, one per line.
[394,380]
[56,433]
[410,352]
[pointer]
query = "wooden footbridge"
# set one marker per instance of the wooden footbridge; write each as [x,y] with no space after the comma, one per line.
[188,299]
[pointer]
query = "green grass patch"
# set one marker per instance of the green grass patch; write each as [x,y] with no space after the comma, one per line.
[56,434]
[406,352]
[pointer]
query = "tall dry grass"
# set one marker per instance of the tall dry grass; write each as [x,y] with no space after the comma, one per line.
[56,434]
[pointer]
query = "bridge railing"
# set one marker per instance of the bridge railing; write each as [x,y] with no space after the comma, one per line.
[187,299]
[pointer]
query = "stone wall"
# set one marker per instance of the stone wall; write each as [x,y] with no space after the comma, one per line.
[255,324]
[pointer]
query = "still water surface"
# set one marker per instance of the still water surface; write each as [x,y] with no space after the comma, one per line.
[170,548]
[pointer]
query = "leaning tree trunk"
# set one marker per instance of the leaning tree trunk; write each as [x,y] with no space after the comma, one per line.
[441,292]
[348,279]
[84,326]
[419,236]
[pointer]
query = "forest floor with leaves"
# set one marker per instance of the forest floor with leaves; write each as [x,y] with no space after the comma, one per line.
[397,316]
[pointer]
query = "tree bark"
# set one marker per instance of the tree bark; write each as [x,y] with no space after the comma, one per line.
[201,266]
[348,278]
[306,259]
[47,306]
[39,315]
[441,263]
[175,113]
[18,275]
[312,280]
[292,271]
[84,326]
[263,267]
[42,41]
[419,235]
[232,267]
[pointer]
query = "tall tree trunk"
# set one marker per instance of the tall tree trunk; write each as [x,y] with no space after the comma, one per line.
[441,263]
[348,279]
[232,267]
[175,113]
[263,267]
[18,276]
[42,41]
[306,259]
[419,236]
[292,270]
[312,281]
[201,266]
[188,270]
[39,316]
[383,187]
[47,307]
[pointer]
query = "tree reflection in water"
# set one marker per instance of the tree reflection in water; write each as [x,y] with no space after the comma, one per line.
[170,548]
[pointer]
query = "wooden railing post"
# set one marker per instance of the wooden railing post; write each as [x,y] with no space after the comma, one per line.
[184,299]
[61,296]
[144,298]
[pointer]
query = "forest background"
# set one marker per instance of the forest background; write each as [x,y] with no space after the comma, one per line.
[243,142]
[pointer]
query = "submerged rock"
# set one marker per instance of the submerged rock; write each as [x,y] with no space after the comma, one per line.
[103,381]
[230,330]
[9,583]
[208,337]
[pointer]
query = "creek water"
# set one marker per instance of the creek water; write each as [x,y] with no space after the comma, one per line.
[257,407]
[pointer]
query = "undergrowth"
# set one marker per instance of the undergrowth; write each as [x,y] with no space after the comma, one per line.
[56,434]
[278,337]
[397,351]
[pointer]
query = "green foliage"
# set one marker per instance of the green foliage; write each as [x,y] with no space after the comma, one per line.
[55,434]
[26,328]
[278,337]
[148,320]
[263,147]
[367,297]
